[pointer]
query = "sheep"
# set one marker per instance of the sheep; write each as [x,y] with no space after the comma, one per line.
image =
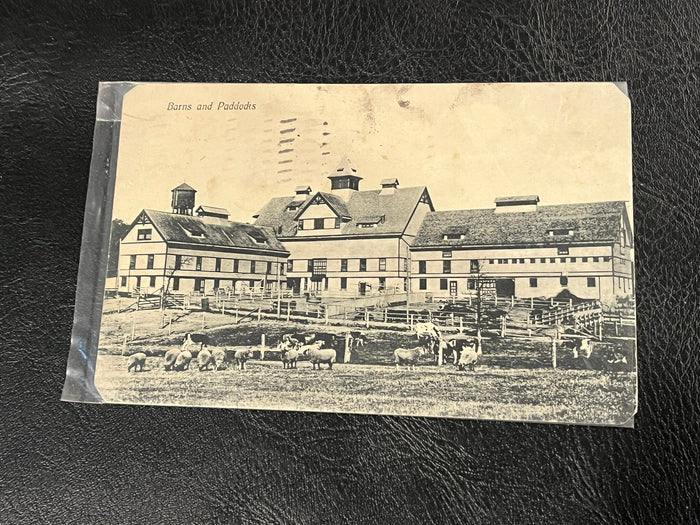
[170,358]
[218,357]
[317,355]
[137,362]
[241,356]
[408,356]
[204,359]
[183,360]
[468,357]
[289,358]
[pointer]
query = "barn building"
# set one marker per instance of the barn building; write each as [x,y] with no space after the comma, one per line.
[348,241]
[523,249]
[200,250]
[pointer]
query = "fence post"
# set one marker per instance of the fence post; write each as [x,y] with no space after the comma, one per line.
[259,314]
[289,309]
[262,347]
[571,303]
[440,356]
[223,307]
[470,299]
[532,303]
[551,301]
[452,318]
[133,327]
[411,325]
[236,317]
[503,326]
[495,298]
[347,348]
[366,318]
[554,352]
[512,301]
[600,327]
[461,324]
[325,310]
[386,315]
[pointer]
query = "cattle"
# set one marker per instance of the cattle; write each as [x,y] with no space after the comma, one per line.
[183,360]
[241,356]
[170,358]
[191,340]
[357,339]
[317,355]
[455,345]
[303,339]
[408,356]
[136,361]
[428,335]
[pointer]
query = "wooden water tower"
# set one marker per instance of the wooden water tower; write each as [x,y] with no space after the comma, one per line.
[183,199]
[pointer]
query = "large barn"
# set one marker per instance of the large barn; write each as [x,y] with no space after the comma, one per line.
[198,250]
[524,249]
[347,241]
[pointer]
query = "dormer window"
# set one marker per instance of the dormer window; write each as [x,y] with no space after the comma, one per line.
[452,236]
[561,231]
[194,231]
[370,222]
[257,236]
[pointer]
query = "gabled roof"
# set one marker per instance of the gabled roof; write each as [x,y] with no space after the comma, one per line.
[184,186]
[334,202]
[397,209]
[212,232]
[392,181]
[589,222]
[517,199]
[345,168]
[212,209]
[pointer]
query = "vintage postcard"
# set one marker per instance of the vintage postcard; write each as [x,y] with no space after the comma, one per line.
[440,250]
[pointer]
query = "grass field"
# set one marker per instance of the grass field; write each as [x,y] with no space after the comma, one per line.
[514,379]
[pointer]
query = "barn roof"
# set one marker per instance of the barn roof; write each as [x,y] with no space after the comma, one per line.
[397,209]
[213,209]
[568,223]
[209,231]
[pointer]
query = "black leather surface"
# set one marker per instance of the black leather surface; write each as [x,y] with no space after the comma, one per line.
[72,463]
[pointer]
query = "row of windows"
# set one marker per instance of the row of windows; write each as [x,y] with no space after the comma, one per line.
[175,283]
[320,266]
[474,264]
[471,283]
[268,265]
[318,224]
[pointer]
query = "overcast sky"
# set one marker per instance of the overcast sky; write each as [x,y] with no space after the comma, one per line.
[468,143]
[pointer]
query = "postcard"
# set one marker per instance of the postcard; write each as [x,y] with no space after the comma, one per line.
[433,250]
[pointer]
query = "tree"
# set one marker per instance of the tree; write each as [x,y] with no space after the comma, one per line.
[170,271]
[119,230]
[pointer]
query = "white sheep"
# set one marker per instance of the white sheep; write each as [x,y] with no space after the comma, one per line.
[136,361]
[218,357]
[204,358]
[317,355]
[408,356]
[183,360]
[170,358]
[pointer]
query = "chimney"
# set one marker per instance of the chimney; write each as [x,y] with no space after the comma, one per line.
[520,203]
[345,181]
[303,190]
[389,186]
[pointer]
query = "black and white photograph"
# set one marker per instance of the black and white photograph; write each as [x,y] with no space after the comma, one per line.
[436,250]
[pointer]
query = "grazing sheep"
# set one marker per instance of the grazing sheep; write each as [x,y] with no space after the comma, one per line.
[137,362]
[170,358]
[289,358]
[204,359]
[183,360]
[241,356]
[408,356]
[468,357]
[218,357]
[317,355]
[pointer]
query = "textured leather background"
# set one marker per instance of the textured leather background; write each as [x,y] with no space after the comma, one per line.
[73,463]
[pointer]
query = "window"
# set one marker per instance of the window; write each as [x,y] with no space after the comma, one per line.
[533,282]
[422,284]
[562,259]
[149,263]
[325,283]
[269,267]
[532,260]
[300,224]
[591,282]
[595,259]
[124,281]
[443,284]
[199,285]
[405,284]
[552,260]
[543,260]
[235,266]
[320,266]
[563,250]
[584,259]
[421,267]
[573,259]
[176,284]
[199,263]
[252,266]
[310,265]
[447,254]
[343,265]
[282,268]
[564,281]
[138,282]
[144,235]
[504,261]
[446,266]
[217,267]
[132,262]
[490,261]
[178,262]
[251,284]
[474,266]
[522,261]
[382,284]
[343,283]
[382,264]
[606,259]
[471,284]
[363,265]
[452,236]
[514,261]
[217,283]
[152,282]
[337,223]
[290,266]
[318,224]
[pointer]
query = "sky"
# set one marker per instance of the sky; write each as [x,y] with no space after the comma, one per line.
[468,143]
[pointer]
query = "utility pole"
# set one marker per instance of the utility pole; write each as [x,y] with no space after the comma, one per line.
[279,290]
